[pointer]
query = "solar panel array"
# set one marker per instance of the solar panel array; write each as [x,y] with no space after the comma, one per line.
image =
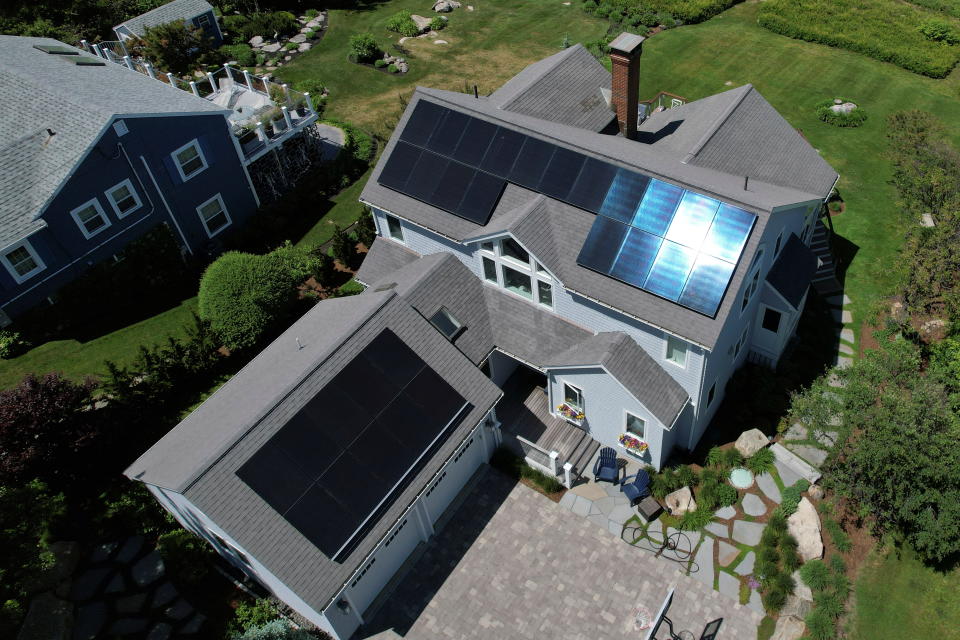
[336,464]
[672,242]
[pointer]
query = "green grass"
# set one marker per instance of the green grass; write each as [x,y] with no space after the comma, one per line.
[951,7]
[731,50]
[76,360]
[345,211]
[898,596]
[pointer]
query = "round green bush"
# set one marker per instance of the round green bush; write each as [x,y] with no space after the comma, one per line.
[313,34]
[438,23]
[853,119]
[760,462]
[784,582]
[820,625]
[732,458]
[402,23]
[830,603]
[686,477]
[696,520]
[715,457]
[815,575]
[726,495]
[802,484]
[311,13]
[11,344]
[776,523]
[364,47]
[393,68]
[603,11]
[774,599]
[768,554]
[241,53]
[379,63]
[589,6]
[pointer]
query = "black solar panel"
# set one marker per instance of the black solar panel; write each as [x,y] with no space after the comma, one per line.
[531,162]
[335,465]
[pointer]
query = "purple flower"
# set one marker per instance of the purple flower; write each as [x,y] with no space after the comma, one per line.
[752,583]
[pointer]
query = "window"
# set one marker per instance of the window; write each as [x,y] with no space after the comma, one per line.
[711,393]
[676,351]
[90,218]
[190,160]
[22,261]
[517,282]
[751,287]
[204,20]
[572,396]
[635,425]
[121,128]
[446,323]
[394,227]
[487,246]
[544,293]
[742,341]
[214,215]
[123,198]
[771,320]
[490,270]
[776,248]
[540,270]
[509,248]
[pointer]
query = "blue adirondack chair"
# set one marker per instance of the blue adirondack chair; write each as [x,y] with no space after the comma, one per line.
[636,487]
[606,468]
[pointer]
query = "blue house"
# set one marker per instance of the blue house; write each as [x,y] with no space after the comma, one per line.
[93,155]
[197,13]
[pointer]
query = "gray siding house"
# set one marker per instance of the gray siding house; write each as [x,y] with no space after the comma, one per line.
[552,274]
[196,13]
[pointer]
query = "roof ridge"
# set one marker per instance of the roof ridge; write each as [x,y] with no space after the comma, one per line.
[721,119]
[547,69]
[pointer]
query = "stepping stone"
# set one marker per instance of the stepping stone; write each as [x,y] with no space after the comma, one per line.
[598,519]
[193,625]
[843,362]
[180,610]
[838,300]
[595,510]
[826,438]
[787,475]
[729,586]
[613,491]
[605,505]
[621,513]
[614,528]
[131,604]
[747,532]
[591,490]
[745,567]
[926,220]
[103,552]
[727,554]
[808,453]
[127,626]
[116,584]
[88,584]
[755,602]
[160,631]
[164,594]
[753,505]
[769,487]
[718,529]
[702,567]
[89,622]
[842,317]
[797,465]
[582,506]
[130,549]
[847,335]
[148,570]
[845,349]
[725,513]
[796,432]
[568,499]
[655,530]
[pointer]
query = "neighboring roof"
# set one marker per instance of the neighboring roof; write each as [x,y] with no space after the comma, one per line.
[41,91]
[633,367]
[791,274]
[252,406]
[566,88]
[176,10]
[384,258]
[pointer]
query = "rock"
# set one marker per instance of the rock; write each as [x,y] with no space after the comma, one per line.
[898,311]
[801,591]
[423,24]
[446,6]
[702,567]
[750,442]
[791,464]
[769,487]
[812,455]
[747,532]
[403,39]
[148,570]
[160,631]
[402,67]
[271,48]
[316,22]
[753,505]
[933,330]
[788,628]
[804,525]
[729,586]
[718,529]
[287,58]
[440,42]
[130,549]
[680,501]
[815,491]
[796,432]
[796,607]
[725,513]
[388,58]
[255,41]
[48,618]
[300,37]
[745,567]
[926,220]
[90,620]
[728,553]
[304,46]
[469,7]
[846,107]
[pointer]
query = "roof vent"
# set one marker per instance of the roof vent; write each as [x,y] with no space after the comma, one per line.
[56,49]
[385,287]
[84,61]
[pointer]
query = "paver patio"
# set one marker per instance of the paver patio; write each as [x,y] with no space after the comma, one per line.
[512,564]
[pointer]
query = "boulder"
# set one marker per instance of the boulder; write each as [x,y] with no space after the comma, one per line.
[402,67]
[801,590]
[804,526]
[255,41]
[788,628]
[423,24]
[933,330]
[846,107]
[750,442]
[898,311]
[299,38]
[304,46]
[680,501]
[446,6]
[315,23]
[815,491]
[306,28]
[48,618]
[272,47]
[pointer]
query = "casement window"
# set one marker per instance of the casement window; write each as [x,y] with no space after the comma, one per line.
[22,261]
[544,293]
[123,198]
[776,248]
[511,250]
[90,218]
[189,160]
[711,393]
[487,247]
[214,215]
[572,396]
[771,320]
[677,351]
[446,323]
[517,282]
[394,228]
[490,270]
[635,425]
[753,282]
[509,265]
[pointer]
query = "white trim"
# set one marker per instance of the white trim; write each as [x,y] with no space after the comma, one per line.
[223,209]
[763,315]
[96,205]
[666,355]
[643,437]
[176,161]
[579,391]
[113,203]
[402,239]
[25,243]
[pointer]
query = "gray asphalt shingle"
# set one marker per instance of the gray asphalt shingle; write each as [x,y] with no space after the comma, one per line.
[176,10]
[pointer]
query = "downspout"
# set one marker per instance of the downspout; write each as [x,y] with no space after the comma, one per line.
[166,205]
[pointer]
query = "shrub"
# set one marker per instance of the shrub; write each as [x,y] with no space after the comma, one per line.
[830,603]
[839,536]
[939,30]
[313,34]
[278,629]
[364,47]
[708,497]
[241,53]
[768,554]
[173,46]
[774,599]
[379,63]
[820,625]
[11,344]
[438,23]
[283,23]
[311,13]
[726,495]
[715,457]
[696,520]
[589,6]
[839,119]
[802,485]
[837,565]
[366,229]
[184,555]
[760,462]
[776,523]
[784,582]
[393,68]
[791,498]
[402,23]
[689,11]
[708,476]
[685,477]
[732,458]
[290,46]
[248,615]
[815,575]
[791,560]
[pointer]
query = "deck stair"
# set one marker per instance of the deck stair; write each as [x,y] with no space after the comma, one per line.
[825,279]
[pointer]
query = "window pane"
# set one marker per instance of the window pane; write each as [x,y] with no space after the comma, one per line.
[210,209]
[486,246]
[121,193]
[490,270]
[396,230]
[187,155]
[545,293]
[635,426]
[21,261]
[771,320]
[572,396]
[510,249]
[446,322]
[517,282]
[676,350]
[91,219]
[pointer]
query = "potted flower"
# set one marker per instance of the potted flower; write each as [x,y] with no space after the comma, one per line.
[632,443]
[570,412]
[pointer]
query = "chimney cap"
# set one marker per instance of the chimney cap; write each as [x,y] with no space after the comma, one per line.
[627,43]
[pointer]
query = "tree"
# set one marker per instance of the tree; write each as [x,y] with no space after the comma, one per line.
[174,46]
[343,248]
[364,46]
[366,229]
[279,629]
[44,423]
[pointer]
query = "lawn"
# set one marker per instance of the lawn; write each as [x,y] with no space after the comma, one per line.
[898,596]
[486,47]
[344,212]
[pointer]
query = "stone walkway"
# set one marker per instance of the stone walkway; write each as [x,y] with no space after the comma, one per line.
[846,338]
[512,564]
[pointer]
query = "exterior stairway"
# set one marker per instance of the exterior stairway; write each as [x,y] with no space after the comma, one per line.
[582,454]
[825,279]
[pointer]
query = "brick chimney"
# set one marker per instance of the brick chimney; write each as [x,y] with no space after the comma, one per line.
[625,53]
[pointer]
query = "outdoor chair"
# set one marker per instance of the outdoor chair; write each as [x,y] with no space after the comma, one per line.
[606,468]
[637,488]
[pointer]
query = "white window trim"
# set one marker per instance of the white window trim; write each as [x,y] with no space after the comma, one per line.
[627,413]
[537,283]
[763,312]
[33,254]
[225,212]
[510,259]
[76,218]
[113,203]
[686,351]
[741,342]
[386,220]
[203,159]
[563,385]
[501,261]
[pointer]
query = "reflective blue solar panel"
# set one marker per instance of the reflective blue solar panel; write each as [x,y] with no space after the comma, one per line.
[656,210]
[602,244]
[670,270]
[692,220]
[636,256]
[729,233]
[624,195]
[706,285]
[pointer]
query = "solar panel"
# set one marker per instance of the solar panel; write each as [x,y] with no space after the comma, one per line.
[422,122]
[531,162]
[446,135]
[602,244]
[502,152]
[561,173]
[474,142]
[402,161]
[636,257]
[335,466]
[592,184]
[624,195]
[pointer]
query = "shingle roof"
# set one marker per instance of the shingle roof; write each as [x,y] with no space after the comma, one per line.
[176,10]
[384,258]
[790,275]
[564,88]
[626,361]
[41,91]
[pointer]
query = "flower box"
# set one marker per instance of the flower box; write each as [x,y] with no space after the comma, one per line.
[633,444]
[571,413]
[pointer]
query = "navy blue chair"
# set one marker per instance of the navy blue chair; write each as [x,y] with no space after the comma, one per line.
[606,468]
[638,488]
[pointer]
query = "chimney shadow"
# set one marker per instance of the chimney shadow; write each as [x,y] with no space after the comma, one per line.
[652,137]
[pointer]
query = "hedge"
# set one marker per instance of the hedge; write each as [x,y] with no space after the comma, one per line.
[882,29]
[951,7]
[689,11]
[826,113]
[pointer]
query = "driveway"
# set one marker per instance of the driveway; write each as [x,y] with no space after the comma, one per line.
[512,564]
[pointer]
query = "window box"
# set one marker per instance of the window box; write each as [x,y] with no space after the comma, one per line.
[633,444]
[571,413]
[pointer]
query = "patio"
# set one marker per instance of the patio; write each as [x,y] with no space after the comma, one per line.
[512,564]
